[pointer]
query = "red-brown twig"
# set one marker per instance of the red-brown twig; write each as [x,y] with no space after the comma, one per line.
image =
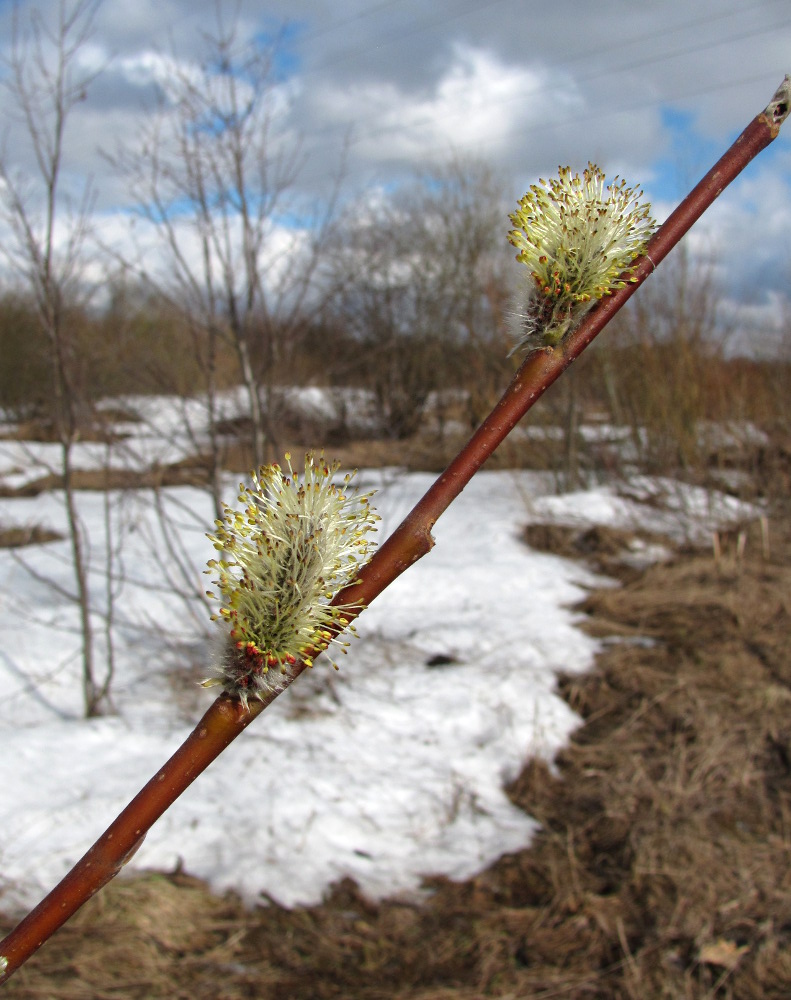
[227,717]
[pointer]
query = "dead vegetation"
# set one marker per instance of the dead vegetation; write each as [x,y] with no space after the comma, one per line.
[661,870]
[33,534]
[187,473]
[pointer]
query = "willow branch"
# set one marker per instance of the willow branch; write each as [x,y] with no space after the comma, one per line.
[227,717]
[412,539]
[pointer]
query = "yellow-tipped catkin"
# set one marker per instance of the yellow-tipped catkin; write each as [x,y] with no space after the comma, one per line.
[577,240]
[297,543]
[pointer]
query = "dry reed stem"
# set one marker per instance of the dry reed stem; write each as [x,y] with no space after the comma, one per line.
[227,718]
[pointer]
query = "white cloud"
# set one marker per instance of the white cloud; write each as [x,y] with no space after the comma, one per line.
[478,103]
[142,244]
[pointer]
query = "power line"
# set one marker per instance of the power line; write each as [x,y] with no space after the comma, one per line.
[400,36]
[431,152]
[535,92]
[586,53]
[344,22]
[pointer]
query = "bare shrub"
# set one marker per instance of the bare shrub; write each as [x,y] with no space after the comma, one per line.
[419,290]
[25,368]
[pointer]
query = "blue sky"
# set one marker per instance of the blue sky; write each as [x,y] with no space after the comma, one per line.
[652,91]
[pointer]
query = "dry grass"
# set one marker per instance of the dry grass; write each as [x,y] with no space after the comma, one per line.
[662,869]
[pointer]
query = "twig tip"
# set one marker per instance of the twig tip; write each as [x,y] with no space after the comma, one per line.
[779,107]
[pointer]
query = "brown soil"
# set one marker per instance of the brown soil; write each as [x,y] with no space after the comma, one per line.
[663,869]
[190,472]
[17,538]
[422,452]
[96,426]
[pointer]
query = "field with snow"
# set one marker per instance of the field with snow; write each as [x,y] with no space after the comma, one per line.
[387,771]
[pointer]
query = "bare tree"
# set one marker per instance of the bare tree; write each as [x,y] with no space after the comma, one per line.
[416,287]
[48,227]
[214,173]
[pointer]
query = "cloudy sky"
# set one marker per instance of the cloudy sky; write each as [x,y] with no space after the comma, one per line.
[653,91]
